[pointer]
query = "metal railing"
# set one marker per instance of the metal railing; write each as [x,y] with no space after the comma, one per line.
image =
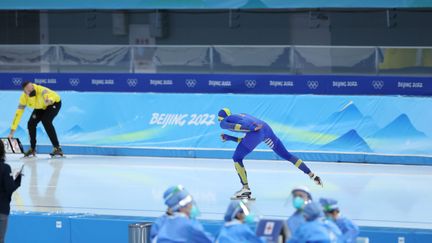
[346,60]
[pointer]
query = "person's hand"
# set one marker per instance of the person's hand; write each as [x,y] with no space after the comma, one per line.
[19,173]
[316,179]
[258,127]
[223,138]
[11,134]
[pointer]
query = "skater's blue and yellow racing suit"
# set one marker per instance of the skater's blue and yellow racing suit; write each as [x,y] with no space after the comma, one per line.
[257,131]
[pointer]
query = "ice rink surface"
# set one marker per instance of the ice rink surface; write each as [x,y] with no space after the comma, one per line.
[372,195]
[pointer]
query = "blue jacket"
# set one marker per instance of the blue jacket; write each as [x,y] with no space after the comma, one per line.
[350,231]
[178,228]
[295,221]
[237,232]
[334,231]
[157,224]
[313,231]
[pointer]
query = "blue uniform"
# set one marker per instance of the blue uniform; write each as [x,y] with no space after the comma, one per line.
[312,231]
[178,228]
[350,231]
[237,232]
[334,231]
[247,124]
[295,221]
[154,230]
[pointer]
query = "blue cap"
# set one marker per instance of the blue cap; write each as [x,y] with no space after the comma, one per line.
[177,197]
[312,211]
[224,112]
[328,204]
[172,190]
[235,207]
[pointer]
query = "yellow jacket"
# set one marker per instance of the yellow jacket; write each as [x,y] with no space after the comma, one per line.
[43,94]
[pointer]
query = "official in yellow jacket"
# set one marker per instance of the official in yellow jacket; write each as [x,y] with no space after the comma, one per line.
[46,104]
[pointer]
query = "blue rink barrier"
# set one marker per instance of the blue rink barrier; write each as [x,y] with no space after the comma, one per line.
[25,227]
[321,156]
[372,129]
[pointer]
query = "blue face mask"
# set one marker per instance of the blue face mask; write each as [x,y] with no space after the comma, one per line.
[298,202]
[249,219]
[194,213]
[330,218]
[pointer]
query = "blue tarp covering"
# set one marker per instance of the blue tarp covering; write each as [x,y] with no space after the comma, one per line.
[335,126]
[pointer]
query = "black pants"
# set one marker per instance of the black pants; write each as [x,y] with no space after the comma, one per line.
[3,226]
[46,116]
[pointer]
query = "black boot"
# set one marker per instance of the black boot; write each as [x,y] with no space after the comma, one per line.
[57,151]
[30,153]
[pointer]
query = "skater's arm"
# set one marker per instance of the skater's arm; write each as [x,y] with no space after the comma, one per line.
[226,137]
[236,127]
[18,114]
[238,124]
[49,96]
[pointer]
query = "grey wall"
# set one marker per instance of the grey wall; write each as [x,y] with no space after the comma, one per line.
[19,27]
[407,28]
[82,28]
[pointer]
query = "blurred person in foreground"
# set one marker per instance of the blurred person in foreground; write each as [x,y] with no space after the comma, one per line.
[350,231]
[8,184]
[180,225]
[236,230]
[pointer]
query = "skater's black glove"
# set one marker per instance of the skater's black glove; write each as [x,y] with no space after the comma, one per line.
[316,179]
[223,137]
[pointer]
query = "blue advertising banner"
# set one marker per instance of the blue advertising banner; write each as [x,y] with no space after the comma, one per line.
[208,4]
[224,83]
[369,125]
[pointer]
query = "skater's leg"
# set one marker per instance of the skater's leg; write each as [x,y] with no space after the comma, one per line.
[47,120]
[277,146]
[247,145]
[238,156]
[32,123]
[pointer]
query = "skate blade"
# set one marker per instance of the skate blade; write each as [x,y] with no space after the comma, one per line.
[57,156]
[244,197]
[29,157]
